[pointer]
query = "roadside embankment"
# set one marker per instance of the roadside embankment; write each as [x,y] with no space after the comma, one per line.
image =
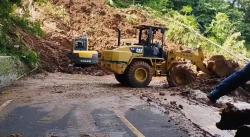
[10,70]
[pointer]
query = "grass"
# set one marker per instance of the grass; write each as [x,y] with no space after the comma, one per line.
[29,57]
[132,19]
[120,3]
[41,1]
[8,69]
[33,28]
[6,66]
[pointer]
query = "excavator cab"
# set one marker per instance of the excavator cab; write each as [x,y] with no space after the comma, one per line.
[81,55]
[81,44]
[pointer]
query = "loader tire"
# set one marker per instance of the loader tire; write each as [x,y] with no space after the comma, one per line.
[121,78]
[180,74]
[139,74]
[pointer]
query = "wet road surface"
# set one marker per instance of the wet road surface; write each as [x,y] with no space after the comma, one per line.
[39,121]
[63,105]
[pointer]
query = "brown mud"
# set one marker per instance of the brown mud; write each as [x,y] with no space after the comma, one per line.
[93,17]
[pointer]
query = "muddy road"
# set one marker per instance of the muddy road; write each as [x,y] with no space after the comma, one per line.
[58,104]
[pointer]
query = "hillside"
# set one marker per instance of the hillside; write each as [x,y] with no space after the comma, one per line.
[148,89]
[64,20]
[94,17]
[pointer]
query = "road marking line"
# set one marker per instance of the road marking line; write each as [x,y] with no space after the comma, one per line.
[130,126]
[5,104]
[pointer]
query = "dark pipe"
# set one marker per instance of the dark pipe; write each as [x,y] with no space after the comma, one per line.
[163,37]
[119,36]
[140,35]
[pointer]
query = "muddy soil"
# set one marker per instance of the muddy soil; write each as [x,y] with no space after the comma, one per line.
[99,21]
[94,17]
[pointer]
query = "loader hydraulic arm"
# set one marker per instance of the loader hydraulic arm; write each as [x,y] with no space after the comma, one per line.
[196,59]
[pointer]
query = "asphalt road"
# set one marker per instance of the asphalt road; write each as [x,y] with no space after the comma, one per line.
[63,105]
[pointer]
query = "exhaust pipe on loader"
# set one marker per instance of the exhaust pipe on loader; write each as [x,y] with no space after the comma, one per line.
[119,37]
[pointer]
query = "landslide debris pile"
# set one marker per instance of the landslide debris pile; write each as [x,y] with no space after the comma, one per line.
[221,66]
[94,17]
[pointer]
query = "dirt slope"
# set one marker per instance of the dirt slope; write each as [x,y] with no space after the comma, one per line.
[94,17]
[64,20]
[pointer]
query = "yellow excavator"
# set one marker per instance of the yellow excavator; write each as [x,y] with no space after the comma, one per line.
[134,64]
[80,54]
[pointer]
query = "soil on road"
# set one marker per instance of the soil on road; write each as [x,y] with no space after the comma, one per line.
[58,104]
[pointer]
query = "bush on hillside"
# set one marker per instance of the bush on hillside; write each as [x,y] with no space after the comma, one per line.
[10,43]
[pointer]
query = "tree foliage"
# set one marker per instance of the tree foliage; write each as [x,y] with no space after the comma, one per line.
[9,22]
[220,28]
[180,34]
[219,20]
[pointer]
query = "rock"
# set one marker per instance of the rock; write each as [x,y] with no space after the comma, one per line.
[85,135]
[185,93]
[144,95]
[221,67]
[166,112]
[99,73]
[162,94]
[233,118]
[173,103]
[59,91]
[243,131]
[180,106]
[173,94]
[149,100]
[132,109]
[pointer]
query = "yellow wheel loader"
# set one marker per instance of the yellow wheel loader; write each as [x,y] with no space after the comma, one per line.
[80,54]
[134,64]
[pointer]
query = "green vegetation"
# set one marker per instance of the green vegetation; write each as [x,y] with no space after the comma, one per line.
[41,1]
[132,19]
[10,43]
[9,65]
[9,71]
[213,24]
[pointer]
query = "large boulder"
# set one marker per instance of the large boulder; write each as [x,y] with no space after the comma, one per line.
[222,67]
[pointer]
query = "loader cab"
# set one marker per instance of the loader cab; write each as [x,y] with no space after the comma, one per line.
[153,40]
